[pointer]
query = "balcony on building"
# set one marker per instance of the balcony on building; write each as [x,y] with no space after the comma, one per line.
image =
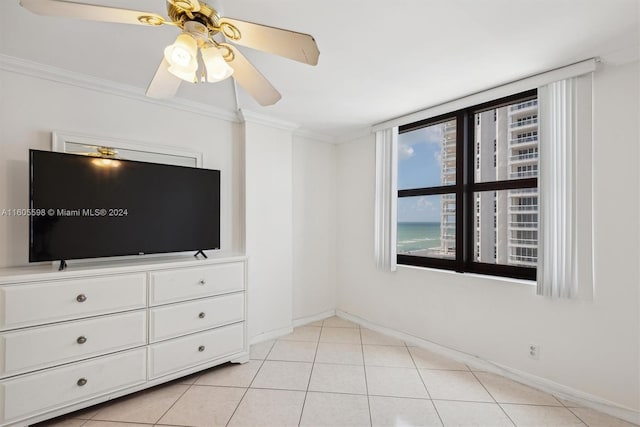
[524,108]
[525,261]
[449,170]
[523,243]
[449,127]
[523,208]
[446,209]
[524,124]
[522,225]
[524,141]
[523,174]
[523,192]
[524,158]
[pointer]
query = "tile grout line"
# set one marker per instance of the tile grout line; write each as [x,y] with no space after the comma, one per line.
[494,399]
[423,383]
[575,415]
[306,392]
[376,395]
[500,404]
[252,380]
[570,409]
[139,393]
[174,402]
[539,406]
[366,382]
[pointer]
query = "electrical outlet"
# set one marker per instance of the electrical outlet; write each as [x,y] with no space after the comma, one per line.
[534,351]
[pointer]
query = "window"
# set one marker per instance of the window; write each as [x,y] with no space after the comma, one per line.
[468,189]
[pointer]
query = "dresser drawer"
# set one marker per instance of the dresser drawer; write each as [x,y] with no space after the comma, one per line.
[173,320]
[36,393]
[37,348]
[182,284]
[46,302]
[181,353]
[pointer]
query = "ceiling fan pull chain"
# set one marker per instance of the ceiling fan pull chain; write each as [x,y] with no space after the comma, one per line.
[203,75]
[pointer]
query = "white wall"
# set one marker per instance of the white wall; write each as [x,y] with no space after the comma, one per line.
[290,188]
[592,347]
[314,227]
[31,107]
[268,222]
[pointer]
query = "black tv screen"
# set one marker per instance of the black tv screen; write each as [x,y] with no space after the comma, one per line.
[88,207]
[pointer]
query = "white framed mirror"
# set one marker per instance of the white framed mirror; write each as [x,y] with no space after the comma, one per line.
[74,143]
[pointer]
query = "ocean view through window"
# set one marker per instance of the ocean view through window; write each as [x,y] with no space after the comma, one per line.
[418,237]
[467,189]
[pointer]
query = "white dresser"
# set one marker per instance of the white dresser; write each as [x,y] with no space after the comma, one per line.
[70,339]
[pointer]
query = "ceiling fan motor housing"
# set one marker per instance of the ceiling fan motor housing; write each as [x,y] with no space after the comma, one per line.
[207,15]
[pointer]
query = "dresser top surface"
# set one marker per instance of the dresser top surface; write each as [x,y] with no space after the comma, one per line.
[83,268]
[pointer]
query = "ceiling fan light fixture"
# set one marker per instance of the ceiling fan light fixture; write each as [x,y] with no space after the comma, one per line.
[182,52]
[217,67]
[188,73]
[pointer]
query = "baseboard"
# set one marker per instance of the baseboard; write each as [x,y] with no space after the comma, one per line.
[583,399]
[277,333]
[270,335]
[309,319]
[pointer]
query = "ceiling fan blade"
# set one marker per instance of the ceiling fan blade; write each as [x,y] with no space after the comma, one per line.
[251,79]
[164,84]
[289,44]
[91,12]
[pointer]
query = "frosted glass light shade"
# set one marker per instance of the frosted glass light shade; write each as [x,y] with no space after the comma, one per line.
[182,58]
[187,73]
[217,67]
[182,52]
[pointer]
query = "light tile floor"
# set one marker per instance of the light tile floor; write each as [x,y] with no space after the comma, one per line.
[334,373]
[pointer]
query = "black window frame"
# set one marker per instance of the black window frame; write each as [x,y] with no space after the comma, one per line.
[465,189]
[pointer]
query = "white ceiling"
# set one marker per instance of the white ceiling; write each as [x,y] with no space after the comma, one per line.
[378,59]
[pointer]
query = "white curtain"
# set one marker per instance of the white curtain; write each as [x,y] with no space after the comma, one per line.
[386,198]
[564,246]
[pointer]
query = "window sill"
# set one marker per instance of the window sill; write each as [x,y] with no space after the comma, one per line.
[471,275]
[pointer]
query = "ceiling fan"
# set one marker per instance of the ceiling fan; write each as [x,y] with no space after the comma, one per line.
[201,52]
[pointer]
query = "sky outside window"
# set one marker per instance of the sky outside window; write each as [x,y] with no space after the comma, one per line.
[420,165]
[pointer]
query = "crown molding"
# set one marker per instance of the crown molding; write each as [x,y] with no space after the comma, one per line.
[355,135]
[316,136]
[248,116]
[245,115]
[59,75]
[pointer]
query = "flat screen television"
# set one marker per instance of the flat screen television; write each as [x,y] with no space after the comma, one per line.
[88,207]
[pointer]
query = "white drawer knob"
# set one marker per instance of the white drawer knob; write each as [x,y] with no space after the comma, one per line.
[81,382]
[81,339]
[202,315]
[202,282]
[81,298]
[201,348]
